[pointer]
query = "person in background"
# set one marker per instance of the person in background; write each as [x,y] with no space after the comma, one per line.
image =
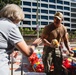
[10,36]
[52,54]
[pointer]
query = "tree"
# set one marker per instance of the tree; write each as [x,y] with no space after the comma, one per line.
[4,2]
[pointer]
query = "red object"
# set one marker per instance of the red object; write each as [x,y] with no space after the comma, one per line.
[39,67]
[34,60]
[67,63]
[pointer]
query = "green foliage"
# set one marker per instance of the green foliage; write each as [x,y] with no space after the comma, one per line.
[4,2]
[72,36]
[29,31]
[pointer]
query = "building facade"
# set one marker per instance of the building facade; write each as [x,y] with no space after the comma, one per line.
[39,13]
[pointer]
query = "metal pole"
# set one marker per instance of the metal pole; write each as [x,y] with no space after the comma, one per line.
[22,65]
[37,21]
[11,64]
[22,54]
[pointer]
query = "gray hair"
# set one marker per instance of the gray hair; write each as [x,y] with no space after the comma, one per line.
[12,12]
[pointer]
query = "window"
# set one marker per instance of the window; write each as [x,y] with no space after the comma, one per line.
[73,10]
[45,0]
[33,16]
[44,23]
[60,2]
[73,20]
[53,1]
[52,6]
[66,19]
[73,5]
[44,17]
[27,9]
[66,13]
[66,3]
[44,11]
[33,22]
[34,4]
[27,16]
[27,3]
[44,5]
[66,8]
[27,22]
[73,25]
[34,10]
[51,12]
[59,7]
[73,15]
[51,17]
[67,24]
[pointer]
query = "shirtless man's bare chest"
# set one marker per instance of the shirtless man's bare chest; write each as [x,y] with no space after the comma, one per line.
[51,32]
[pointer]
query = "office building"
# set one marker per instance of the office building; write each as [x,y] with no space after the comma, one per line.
[46,10]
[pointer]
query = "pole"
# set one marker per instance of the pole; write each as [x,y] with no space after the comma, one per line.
[21,53]
[37,21]
[11,64]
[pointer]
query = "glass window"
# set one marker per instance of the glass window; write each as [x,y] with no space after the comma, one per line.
[44,23]
[44,11]
[73,20]
[51,17]
[27,22]
[73,26]
[44,5]
[34,4]
[67,24]
[73,10]
[66,3]
[44,17]
[60,2]
[33,22]
[27,9]
[27,3]
[52,6]
[34,10]
[66,19]
[45,0]
[51,12]
[53,1]
[59,7]
[73,5]
[66,13]
[27,16]
[73,15]
[33,16]
[66,8]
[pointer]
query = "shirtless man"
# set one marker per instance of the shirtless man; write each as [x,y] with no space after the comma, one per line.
[57,31]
